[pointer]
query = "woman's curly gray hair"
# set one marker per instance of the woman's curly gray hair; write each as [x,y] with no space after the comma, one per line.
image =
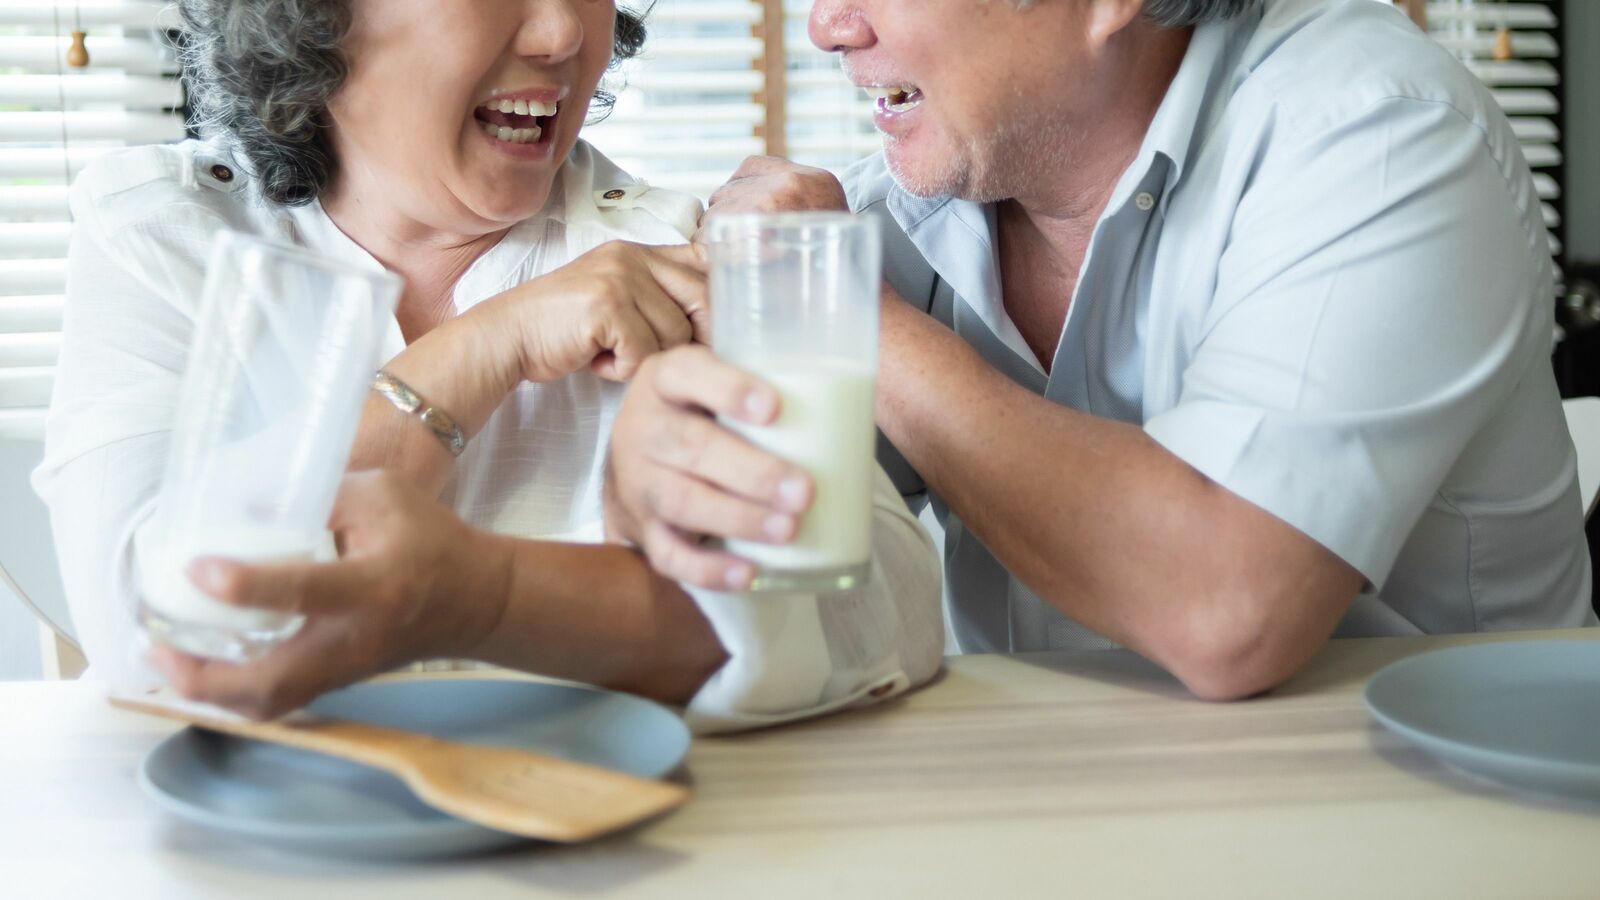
[261,72]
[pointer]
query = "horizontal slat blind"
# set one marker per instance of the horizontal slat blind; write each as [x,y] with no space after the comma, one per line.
[830,119]
[53,121]
[687,110]
[1524,85]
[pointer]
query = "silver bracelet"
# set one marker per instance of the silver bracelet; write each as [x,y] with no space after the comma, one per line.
[411,403]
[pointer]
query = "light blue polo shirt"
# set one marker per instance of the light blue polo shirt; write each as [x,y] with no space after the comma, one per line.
[1324,283]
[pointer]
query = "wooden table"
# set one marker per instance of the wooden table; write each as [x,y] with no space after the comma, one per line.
[1031,775]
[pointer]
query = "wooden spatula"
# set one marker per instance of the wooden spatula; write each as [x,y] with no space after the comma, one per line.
[508,790]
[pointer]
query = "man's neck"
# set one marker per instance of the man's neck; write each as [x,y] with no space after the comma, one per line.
[430,259]
[1063,203]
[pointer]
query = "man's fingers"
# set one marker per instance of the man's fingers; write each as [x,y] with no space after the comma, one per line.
[312,589]
[762,165]
[698,446]
[675,556]
[692,505]
[695,377]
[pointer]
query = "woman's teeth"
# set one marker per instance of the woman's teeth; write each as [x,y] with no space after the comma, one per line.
[521,107]
[515,121]
[896,98]
[513,135]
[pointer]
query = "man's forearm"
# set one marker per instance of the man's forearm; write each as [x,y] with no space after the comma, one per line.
[1103,522]
[598,614]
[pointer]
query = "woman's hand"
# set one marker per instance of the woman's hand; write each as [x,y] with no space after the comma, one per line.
[608,310]
[412,582]
[674,475]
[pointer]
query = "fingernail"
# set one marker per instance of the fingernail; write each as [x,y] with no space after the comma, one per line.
[758,406]
[779,527]
[792,491]
[739,576]
[206,575]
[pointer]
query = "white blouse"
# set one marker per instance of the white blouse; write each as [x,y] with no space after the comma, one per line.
[144,219]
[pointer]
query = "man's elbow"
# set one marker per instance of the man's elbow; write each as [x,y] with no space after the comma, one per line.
[1239,649]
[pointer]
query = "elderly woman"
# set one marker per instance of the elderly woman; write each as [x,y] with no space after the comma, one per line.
[442,145]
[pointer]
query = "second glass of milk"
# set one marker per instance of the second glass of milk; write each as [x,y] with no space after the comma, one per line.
[283,351]
[794,301]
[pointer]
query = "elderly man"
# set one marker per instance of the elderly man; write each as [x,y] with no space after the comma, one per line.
[1216,328]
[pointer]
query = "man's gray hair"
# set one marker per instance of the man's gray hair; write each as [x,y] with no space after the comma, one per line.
[260,73]
[1182,13]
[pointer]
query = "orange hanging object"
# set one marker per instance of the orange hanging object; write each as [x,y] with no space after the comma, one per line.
[78,54]
[1502,44]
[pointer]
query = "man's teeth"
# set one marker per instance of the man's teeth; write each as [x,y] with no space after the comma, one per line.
[522,107]
[895,98]
[513,135]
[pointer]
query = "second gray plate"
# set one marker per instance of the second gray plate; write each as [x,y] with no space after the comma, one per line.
[317,804]
[1523,713]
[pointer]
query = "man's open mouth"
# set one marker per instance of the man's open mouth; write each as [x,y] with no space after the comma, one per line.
[895,98]
[515,121]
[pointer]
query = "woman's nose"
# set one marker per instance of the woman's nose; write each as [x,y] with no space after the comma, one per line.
[550,30]
[839,25]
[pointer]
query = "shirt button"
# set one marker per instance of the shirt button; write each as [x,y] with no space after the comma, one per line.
[222,173]
[1144,200]
[615,194]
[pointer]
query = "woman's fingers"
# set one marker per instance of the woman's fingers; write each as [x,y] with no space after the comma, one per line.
[678,273]
[628,340]
[311,589]
[289,677]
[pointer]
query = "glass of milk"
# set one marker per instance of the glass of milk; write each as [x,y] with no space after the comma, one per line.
[285,345]
[794,301]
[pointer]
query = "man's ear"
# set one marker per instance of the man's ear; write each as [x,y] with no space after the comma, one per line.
[1107,18]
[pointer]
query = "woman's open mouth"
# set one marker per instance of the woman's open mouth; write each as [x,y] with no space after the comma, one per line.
[516,121]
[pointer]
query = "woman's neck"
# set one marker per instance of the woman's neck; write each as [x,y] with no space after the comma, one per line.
[430,259]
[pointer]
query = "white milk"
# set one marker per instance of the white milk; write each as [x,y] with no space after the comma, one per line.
[825,425]
[168,590]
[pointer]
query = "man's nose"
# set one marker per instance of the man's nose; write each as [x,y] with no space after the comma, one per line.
[839,25]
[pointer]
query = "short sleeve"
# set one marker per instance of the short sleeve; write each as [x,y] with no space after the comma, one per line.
[1384,288]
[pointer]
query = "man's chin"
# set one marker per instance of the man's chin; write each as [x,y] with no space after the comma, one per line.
[917,178]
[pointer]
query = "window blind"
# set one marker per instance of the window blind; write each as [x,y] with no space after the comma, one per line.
[1523,74]
[53,120]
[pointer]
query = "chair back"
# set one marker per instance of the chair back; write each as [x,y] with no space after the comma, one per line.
[27,552]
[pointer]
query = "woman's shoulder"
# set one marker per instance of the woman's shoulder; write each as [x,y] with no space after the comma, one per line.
[602,193]
[161,181]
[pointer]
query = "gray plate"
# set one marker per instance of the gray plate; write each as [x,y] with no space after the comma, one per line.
[314,803]
[1524,713]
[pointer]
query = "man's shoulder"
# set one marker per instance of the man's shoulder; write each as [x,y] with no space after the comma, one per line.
[1321,63]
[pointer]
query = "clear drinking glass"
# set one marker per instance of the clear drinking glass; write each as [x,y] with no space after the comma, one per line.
[794,301]
[283,352]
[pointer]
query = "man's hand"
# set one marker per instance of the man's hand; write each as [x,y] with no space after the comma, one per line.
[674,475]
[773,184]
[412,582]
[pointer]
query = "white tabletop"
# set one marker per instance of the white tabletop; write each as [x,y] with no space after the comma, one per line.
[1040,774]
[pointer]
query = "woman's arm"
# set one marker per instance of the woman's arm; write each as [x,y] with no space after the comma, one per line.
[416,583]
